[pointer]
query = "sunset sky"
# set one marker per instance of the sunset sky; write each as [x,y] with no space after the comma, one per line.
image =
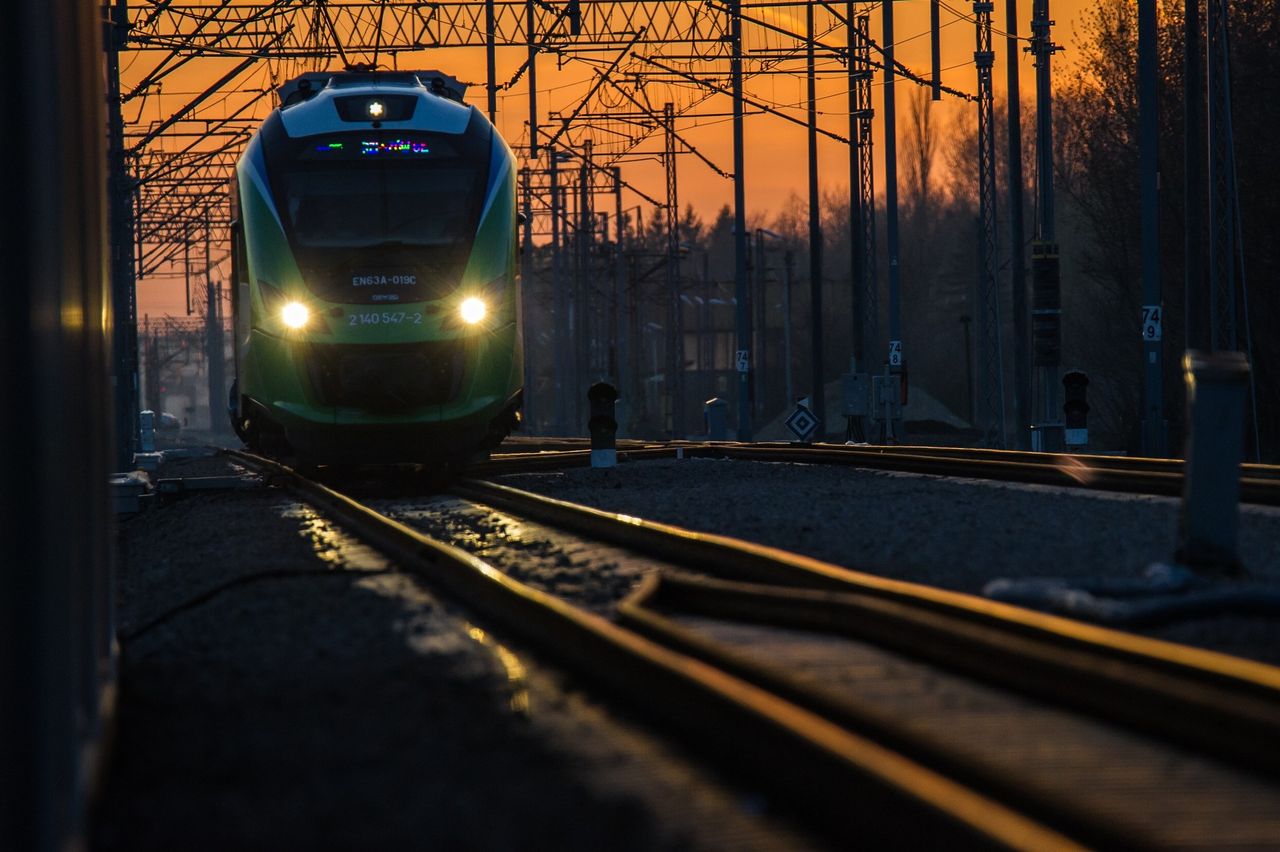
[775,149]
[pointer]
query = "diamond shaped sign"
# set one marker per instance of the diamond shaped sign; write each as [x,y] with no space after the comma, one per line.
[802,423]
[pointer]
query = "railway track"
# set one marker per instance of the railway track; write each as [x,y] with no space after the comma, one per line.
[1259,484]
[721,639]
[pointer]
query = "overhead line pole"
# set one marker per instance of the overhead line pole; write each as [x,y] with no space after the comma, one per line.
[815,236]
[533,81]
[124,344]
[583,340]
[935,49]
[896,355]
[621,358]
[856,259]
[741,316]
[1046,308]
[529,404]
[1222,270]
[869,280]
[1154,437]
[675,315]
[992,360]
[559,301]
[1195,304]
[490,60]
[1017,239]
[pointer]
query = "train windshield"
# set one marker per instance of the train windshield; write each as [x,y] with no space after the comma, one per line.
[348,205]
[380,205]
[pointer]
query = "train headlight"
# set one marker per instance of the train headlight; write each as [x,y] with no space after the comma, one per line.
[377,109]
[472,310]
[295,315]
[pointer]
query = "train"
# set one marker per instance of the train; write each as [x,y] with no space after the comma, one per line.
[375,294]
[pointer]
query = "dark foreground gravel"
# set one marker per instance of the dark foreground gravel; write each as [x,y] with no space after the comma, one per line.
[282,688]
[954,533]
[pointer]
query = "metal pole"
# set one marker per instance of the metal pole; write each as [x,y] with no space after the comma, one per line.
[490,58]
[992,360]
[208,273]
[1153,429]
[706,337]
[867,197]
[582,341]
[1047,310]
[857,260]
[935,50]
[559,301]
[214,353]
[124,370]
[526,289]
[1017,239]
[622,356]
[739,222]
[572,234]
[787,260]
[529,19]
[1195,305]
[966,321]
[760,308]
[1042,48]
[675,314]
[815,233]
[1222,278]
[896,353]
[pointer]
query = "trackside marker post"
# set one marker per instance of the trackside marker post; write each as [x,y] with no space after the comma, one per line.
[1075,408]
[1208,524]
[603,425]
[716,413]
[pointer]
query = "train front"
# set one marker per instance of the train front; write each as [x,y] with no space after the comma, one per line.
[376,303]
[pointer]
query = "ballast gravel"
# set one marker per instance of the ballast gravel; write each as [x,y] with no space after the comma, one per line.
[953,533]
[282,687]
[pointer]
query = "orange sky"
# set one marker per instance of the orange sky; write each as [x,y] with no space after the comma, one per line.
[775,149]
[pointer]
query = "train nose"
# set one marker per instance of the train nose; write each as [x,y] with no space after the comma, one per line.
[388,379]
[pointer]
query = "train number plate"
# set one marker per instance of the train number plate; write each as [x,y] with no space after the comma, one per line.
[358,318]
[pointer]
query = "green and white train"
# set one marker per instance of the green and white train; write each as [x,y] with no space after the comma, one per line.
[376,300]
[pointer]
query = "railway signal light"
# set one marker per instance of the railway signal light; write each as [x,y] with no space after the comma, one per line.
[1046,305]
[603,425]
[1075,408]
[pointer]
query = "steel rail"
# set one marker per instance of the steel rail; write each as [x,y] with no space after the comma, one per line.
[1259,484]
[1223,705]
[1125,462]
[1072,471]
[812,762]
[524,462]
[646,610]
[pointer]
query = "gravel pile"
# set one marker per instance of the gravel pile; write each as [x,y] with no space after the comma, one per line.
[953,533]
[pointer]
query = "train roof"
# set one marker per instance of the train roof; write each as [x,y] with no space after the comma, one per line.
[328,101]
[305,86]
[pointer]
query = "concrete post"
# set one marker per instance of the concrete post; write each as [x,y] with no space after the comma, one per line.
[1209,522]
[716,413]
